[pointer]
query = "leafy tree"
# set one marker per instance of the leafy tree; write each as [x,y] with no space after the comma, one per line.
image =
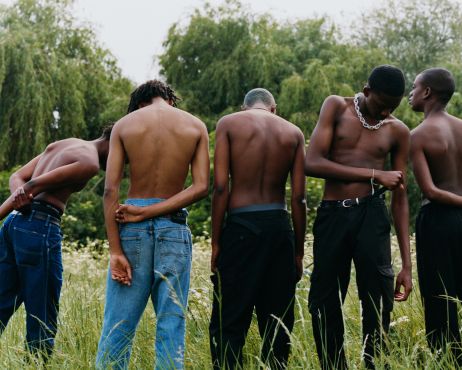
[415,34]
[55,81]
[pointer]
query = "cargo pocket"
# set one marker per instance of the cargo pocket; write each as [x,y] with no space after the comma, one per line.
[387,277]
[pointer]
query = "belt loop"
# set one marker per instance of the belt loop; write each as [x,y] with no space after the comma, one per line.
[32,213]
[47,222]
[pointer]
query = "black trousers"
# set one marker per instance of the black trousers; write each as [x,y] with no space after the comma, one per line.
[439,260]
[360,233]
[255,269]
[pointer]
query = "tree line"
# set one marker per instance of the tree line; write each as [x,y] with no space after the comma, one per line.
[56,80]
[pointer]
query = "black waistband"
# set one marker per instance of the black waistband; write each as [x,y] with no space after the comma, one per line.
[43,207]
[352,202]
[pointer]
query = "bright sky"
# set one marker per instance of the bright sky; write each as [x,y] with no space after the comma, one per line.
[134,29]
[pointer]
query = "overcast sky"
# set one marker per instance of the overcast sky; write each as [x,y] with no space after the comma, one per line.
[134,29]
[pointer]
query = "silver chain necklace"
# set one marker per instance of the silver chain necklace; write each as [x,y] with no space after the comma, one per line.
[361,118]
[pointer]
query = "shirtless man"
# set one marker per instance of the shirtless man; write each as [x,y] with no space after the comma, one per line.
[436,153]
[349,148]
[255,257]
[150,256]
[30,238]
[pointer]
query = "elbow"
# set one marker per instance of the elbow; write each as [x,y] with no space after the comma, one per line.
[203,190]
[430,193]
[110,192]
[312,168]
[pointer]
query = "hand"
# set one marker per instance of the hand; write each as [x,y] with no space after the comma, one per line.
[120,269]
[21,198]
[214,258]
[390,179]
[299,267]
[128,213]
[404,279]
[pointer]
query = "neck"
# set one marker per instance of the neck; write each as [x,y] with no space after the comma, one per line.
[259,106]
[363,108]
[101,146]
[433,108]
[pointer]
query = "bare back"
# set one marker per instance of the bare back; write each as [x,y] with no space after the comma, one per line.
[262,153]
[440,137]
[353,145]
[59,154]
[159,143]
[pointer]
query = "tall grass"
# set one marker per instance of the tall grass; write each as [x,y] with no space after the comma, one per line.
[81,315]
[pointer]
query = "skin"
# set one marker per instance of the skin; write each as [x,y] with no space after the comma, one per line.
[255,152]
[62,169]
[347,155]
[160,143]
[436,152]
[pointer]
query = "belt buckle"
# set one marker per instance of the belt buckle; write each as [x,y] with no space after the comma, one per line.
[345,204]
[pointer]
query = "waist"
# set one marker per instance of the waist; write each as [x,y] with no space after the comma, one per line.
[178,216]
[42,207]
[379,196]
[258,208]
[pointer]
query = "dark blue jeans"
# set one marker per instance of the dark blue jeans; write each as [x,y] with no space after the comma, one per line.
[31,272]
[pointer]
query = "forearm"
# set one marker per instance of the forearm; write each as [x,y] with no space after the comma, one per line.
[111,202]
[180,200]
[16,182]
[400,213]
[327,169]
[442,196]
[6,207]
[298,208]
[219,206]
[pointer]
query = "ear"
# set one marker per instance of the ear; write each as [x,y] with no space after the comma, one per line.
[273,109]
[171,102]
[366,90]
[427,92]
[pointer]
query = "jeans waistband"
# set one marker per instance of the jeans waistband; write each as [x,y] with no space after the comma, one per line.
[178,216]
[352,202]
[258,208]
[38,215]
[42,207]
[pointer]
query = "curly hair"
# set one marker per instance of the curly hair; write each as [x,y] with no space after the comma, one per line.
[149,90]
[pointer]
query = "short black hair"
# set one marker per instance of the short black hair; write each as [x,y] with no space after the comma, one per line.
[440,81]
[149,90]
[106,132]
[388,80]
[259,95]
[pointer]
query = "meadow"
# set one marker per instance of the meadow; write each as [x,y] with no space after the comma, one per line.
[81,314]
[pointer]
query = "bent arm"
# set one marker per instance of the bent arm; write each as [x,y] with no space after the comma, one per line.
[424,178]
[24,174]
[298,201]
[317,162]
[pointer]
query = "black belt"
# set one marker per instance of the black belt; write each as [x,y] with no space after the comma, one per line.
[351,202]
[179,217]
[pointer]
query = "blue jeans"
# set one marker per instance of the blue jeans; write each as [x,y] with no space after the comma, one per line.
[31,272]
[159,251]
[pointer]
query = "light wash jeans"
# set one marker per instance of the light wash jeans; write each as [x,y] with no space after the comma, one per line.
[159,251]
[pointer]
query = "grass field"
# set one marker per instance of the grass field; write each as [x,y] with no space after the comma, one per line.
[81,315]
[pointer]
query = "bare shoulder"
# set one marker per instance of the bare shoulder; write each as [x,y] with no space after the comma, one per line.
[399,128]
[336,102]
[191,119]
[226,122]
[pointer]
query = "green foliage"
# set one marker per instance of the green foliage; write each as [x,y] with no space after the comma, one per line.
[55,81]
[415,34]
